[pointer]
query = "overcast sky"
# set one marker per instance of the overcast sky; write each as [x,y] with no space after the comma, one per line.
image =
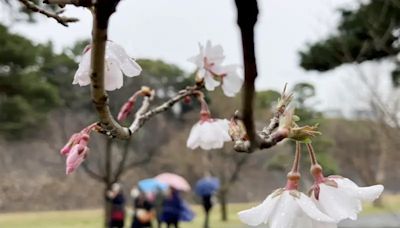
[171,29]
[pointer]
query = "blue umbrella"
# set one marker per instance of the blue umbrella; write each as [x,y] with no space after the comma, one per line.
[207,186]
[151,185]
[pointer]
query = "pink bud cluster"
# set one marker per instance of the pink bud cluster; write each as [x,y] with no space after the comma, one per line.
[76,149]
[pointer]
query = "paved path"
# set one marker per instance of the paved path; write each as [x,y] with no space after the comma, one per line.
[374,221]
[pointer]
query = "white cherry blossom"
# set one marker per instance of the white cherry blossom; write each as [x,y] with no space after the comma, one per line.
[210,69]
[209,134]
[341,198]
[117,63]
[287,209]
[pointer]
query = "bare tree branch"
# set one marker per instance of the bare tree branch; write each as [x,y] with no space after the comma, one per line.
[247,18]
[92,173]
[60,19]
[121,164]
[84,3]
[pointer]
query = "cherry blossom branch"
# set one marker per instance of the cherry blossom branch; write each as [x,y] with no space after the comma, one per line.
[60,19]
[270,135]
[102,12]
[142,118]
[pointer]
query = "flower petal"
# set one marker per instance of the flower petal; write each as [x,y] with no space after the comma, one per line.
[210,83]
[194,136]
[368,194]
[259,214]
[337,203]
[371,193]
[82,75]
[113,78]
[128,66]
[214,54]
[310,209]
[231,83]
[285,213]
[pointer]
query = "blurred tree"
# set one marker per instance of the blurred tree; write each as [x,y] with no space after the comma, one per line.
[26,96]
[370,32]
[116,158]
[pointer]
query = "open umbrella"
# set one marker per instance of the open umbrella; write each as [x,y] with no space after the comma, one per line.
[151,185]
[207,186]
[174,180]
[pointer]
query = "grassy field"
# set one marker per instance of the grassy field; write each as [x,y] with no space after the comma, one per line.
[93,218]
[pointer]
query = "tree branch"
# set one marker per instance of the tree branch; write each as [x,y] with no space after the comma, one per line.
[60,19]
[270,135]
[141,119]
[92,173]
[247,18]
[62,3]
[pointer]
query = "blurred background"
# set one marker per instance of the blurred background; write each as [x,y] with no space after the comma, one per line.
[340,58]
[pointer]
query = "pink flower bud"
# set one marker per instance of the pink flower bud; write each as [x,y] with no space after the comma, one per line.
[125,110]
[75,158]
[67,148]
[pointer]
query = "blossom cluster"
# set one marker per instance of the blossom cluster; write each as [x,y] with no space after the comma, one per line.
[332,199]
[208,133]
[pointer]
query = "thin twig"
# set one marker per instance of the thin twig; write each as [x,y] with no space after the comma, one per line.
[140,120]
[92,173]
[60,19]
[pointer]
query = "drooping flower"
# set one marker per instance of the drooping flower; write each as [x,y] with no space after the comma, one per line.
[209,133]
[209,64]
[339,197]
[117,62]
[289,209]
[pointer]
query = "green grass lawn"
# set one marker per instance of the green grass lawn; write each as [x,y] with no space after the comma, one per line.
[93,218]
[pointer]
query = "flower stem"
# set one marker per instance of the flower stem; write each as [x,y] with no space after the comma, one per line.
[293,176]
[297,156]
[311,152]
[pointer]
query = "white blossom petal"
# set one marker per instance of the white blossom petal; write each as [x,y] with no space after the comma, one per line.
[367,194]
[309,207]
[232,82]
[209,82]
[371,193]
[259,214]
[214,54]
[128,66]
[285,212]
[194,137]
[209,135]
[82,75]
[113,78]
[338,204]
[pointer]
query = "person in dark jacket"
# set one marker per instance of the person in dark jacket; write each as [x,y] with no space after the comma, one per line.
[143,210]
[172,209]
[207,205]
[116,196]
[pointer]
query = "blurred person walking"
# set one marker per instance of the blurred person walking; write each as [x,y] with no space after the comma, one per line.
[143,210]
[206,188]
[175,210]
[116,196]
